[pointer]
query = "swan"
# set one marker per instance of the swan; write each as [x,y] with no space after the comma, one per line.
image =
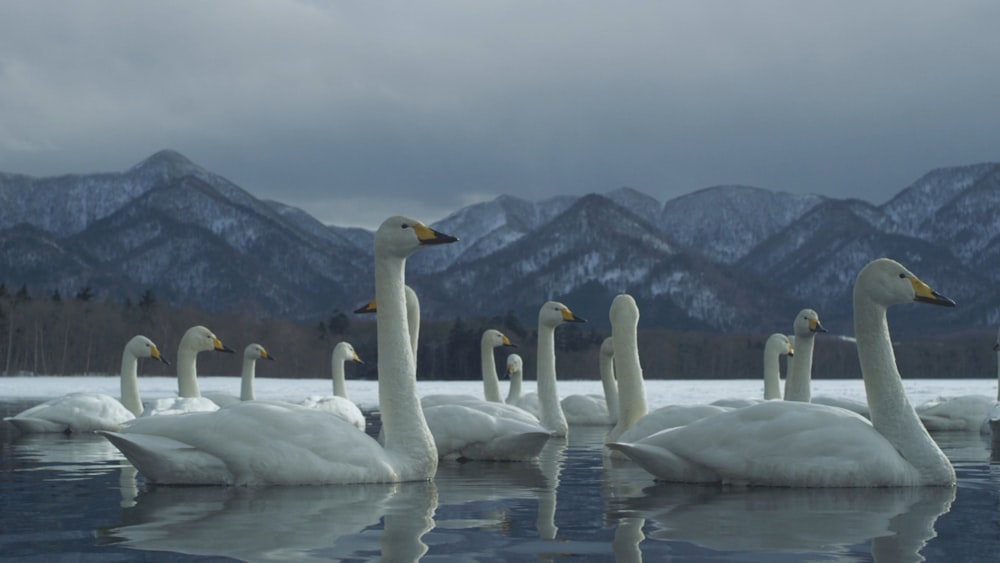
[264,442]
[467,427]
[551,315]
[777,345]
[86,412]
[799,381]
[529,401]
[251,354]
[595,409]
[796,444]
[490,340]
[634,419]
[196,339]
[962,413]
[339,404]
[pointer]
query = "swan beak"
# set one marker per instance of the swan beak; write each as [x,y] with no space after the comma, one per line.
[265,356]
[569,317]
[369,307]
[155,354]
[356,358]
[428,236]
[791,351]
[924,294]
[815,326]
[220,347]
[507,342]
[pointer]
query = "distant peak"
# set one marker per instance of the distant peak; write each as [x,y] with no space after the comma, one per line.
[166,158]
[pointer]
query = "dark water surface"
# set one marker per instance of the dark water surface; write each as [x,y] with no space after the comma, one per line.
[77,499]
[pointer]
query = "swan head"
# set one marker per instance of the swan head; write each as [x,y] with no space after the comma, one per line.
[200,339]
[401,236]
[608,347]
[343,351]
[514,364]
[142,347]
[554,313]
[495,338]
[887,282]
[779,344]
[807,323]
[256,352]
[624,311]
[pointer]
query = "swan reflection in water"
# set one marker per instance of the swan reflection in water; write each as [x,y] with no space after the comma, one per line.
[281,523]
[74,457]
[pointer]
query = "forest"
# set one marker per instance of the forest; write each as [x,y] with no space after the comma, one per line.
[77,334]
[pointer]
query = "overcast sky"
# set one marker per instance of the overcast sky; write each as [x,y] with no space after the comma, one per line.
[356,110]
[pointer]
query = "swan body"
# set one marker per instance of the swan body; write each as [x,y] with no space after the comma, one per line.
[263,442]
[339,404]
[251,354]
[634,419]
[195,340]
[796,444]
[964,413]
[798,384]
[86,412]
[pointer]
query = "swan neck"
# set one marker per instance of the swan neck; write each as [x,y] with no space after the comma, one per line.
[405,430]
[798,384]
[514,392]
[130,383]
[491,383]
[552,416]
[337,370]
[631,387]
[610,385]
[772,376]
[890,409]
[998,376]
[246,379]
[187,373]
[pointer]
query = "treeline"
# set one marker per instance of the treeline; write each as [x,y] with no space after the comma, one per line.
[75,334]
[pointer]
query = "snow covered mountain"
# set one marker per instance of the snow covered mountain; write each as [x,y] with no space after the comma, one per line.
[732,258]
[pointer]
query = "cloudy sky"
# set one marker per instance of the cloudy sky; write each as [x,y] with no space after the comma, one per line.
[357,110]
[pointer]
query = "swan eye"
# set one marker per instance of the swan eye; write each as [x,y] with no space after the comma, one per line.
[902,275]
[405,226]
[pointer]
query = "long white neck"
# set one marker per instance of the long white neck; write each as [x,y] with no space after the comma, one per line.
[404,428]
[130,383]
[891,412]
[514,393]
[491,383]
[631,388]
[772,374]
[187,372]
[552,416]
[798,384]
[246,380]
[337,369]
[610,385]
[413,320]
[998,375]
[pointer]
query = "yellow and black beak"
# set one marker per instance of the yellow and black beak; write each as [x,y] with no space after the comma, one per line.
[569,317]
[428,236]
[507,342]
[816,326]
[264,355]
[357,358]
[367,308]
[924,294]
[220,347]
[155,354]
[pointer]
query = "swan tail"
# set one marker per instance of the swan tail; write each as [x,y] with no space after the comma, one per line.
[27,425]
[664,464]
[169,462]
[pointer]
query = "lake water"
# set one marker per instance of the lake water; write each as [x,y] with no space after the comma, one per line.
[77,499]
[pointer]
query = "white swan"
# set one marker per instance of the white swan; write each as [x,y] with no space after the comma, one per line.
[777,345]
[251,354]
[798,384]
[262,442]
[795,444]
[86,412]
[339,404]
[491,340]
[551,315]
[962,413]
[196,339]
[527,401]
[634,420]
[593,409]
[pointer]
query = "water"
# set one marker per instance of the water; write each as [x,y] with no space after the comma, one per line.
[76,498]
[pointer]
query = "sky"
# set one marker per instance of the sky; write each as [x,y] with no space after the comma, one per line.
[354,111]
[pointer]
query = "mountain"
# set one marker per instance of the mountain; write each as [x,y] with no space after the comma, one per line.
[725,258]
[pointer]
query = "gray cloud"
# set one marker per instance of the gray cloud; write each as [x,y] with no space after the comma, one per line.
[356,110]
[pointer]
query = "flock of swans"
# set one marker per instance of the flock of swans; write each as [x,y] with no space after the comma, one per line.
[794,440]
